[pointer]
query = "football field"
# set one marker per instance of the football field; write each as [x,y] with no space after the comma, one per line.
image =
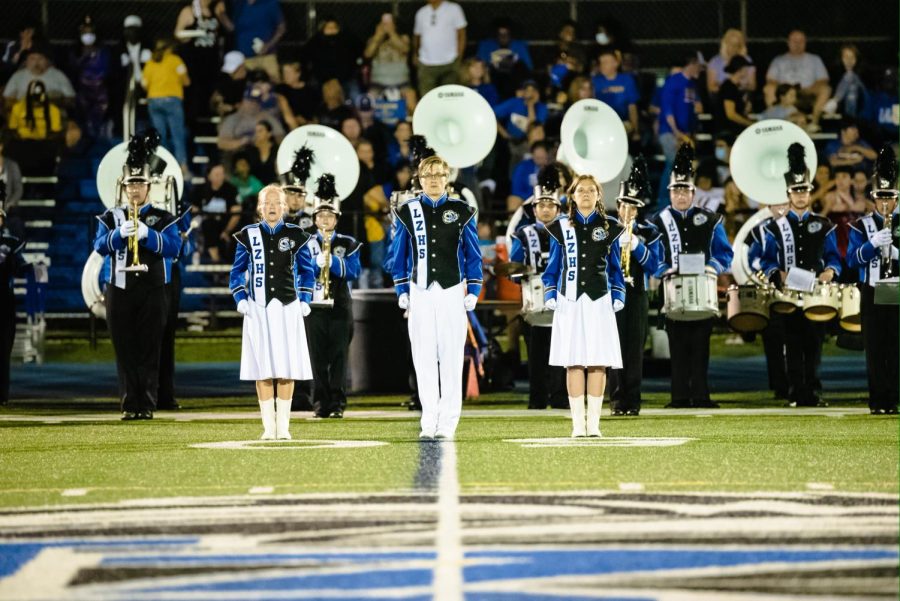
[750,501]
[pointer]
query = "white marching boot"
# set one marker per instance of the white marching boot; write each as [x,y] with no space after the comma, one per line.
[576,405]
[267,410]
[283,419]
[594,404]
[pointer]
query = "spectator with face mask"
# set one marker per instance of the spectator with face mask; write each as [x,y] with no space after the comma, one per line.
[92,65]
[36,125]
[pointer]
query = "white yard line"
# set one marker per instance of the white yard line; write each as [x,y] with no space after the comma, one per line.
[448,570]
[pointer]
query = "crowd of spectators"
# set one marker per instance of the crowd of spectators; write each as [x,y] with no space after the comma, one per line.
[368,89]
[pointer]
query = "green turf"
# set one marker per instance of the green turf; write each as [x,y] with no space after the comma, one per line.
[117,460]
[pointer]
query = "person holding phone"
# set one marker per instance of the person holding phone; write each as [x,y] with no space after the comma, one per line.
[388,51]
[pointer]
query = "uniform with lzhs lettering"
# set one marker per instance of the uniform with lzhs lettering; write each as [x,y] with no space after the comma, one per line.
[692,231]
[330,329]
[136,301]
[273,271]
[547,383]
[436,260]
[808,242]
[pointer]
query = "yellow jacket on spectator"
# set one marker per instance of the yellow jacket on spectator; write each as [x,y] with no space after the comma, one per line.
[166,78]
[18,124]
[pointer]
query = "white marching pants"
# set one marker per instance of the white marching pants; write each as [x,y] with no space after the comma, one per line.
[437,335]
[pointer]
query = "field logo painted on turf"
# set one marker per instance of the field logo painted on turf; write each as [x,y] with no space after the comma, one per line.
[287,445]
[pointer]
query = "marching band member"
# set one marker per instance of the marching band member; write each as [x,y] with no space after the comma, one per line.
[873,251]
[436,266]
[690,230]
[330,328]
[806,242]
[12,263]
[166,390]
[645,248]
[584,287]
[135,298]
[773,334]
[272,283]
[555,176]
[531,246]
[294,185]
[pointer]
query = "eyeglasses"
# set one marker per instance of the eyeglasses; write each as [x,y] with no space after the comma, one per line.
[432,175]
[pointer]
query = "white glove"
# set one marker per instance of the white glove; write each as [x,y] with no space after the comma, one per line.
[551,304]
[711,270]
[127,229]
[243,307]
[618,305]
[403,301]
[320,260]
[142,230]
[470,301]
[881,237]
[305,309]
[626,238]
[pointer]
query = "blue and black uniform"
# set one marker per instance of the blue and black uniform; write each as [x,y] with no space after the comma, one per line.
[879,322]
[12,264]
[136,301]
[692,231]
[808,242]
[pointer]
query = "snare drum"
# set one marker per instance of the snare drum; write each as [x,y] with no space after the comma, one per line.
[691,297]
[823,303]
[785,301]
[533,309]
[850,314]
[748,308]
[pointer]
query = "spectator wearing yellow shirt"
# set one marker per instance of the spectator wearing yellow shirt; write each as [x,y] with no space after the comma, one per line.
[165,77]
[36,125]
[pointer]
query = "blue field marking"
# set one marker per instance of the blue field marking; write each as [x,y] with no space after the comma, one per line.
[538,563]
[13,556]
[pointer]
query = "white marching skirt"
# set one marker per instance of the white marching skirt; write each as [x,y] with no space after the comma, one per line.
[585,333]
[274,343]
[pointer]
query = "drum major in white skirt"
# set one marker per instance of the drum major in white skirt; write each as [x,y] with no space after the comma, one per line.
[584,278]
[273,271]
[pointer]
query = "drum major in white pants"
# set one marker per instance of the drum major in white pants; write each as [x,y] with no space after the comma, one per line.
[437,335]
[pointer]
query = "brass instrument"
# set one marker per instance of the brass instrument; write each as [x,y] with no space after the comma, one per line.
[626,252]
[134,245]
[324,279]
[886,249]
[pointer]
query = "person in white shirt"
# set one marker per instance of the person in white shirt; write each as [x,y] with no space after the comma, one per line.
[799,67]
[439,41]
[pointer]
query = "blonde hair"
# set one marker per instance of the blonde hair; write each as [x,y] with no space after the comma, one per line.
[464,78]
[261,198]
[736,37]
[570,194]
[433,160]
[576,83]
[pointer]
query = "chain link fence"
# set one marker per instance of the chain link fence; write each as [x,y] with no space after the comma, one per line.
[659,30]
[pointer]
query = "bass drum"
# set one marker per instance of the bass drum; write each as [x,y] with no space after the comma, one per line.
[691,297]
[748,308]
[91,285]
[851,311]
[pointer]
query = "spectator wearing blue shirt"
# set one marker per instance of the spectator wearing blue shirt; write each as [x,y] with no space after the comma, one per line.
[850,150]
[474,74]
[678,110]
[258,27]
[514,116]
[881,110]
[524,177]
[509,59]
[618,90]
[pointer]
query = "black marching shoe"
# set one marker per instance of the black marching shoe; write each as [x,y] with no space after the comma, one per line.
[706,404]
[679,405]
[890,410]
[128,416]
[876,411]
[633,412]
[336,414]
[144,415]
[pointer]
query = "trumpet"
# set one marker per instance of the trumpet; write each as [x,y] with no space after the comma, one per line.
[886,249]
[324,280]
[625,258]
[134,245]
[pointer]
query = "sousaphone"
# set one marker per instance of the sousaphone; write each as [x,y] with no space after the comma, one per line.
[759,159]
[458,123]
[166,188]
[593,141]
[333,154]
